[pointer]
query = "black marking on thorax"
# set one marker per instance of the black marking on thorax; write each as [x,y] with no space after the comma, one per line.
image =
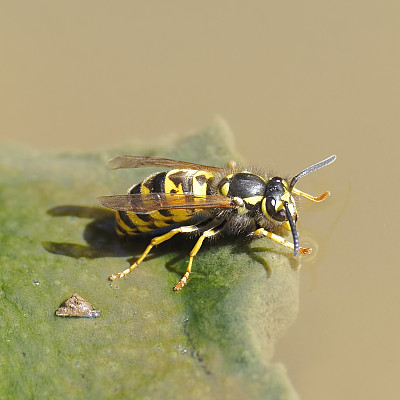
[246,184]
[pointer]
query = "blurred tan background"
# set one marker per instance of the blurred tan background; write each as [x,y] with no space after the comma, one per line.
[297,82]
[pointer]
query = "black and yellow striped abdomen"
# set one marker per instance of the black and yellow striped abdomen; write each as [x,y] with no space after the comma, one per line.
[177,181]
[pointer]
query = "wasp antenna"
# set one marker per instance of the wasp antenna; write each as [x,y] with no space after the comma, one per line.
[314,167]
[293,229]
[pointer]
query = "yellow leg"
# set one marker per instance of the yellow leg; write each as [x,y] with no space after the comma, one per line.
[309,197]
[280,240]
[154,242]
[193,253]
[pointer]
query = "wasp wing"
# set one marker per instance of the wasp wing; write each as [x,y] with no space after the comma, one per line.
[148,202]
[144,161]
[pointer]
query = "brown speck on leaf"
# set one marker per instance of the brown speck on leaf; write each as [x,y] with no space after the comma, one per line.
[76,306]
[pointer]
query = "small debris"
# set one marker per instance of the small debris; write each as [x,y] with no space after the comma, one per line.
[76,306]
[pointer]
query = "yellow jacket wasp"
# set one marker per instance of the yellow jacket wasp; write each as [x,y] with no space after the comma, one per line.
[206,201]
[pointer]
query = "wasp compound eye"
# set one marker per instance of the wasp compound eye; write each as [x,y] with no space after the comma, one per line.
[273,199]
[270,204]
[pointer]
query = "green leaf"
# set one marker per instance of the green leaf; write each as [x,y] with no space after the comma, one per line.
[212,340]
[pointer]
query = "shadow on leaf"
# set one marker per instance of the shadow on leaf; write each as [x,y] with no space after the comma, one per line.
[99,234]
[103,241]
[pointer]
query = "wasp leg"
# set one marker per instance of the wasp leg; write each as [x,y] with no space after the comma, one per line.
[154,242]
[196,248]
[309,197]
[280,240]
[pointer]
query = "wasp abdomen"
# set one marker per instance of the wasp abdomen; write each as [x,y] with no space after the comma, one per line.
[176,181]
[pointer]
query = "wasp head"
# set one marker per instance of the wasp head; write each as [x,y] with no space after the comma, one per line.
[279,205]
[273,206]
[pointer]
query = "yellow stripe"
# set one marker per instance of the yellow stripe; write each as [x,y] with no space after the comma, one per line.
[225,189]
[178,215]
[201,188]
[145,229]
[253,199]
[170,185]
[129,230]
[160,223]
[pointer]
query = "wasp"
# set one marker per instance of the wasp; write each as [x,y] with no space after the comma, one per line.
[205,202]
